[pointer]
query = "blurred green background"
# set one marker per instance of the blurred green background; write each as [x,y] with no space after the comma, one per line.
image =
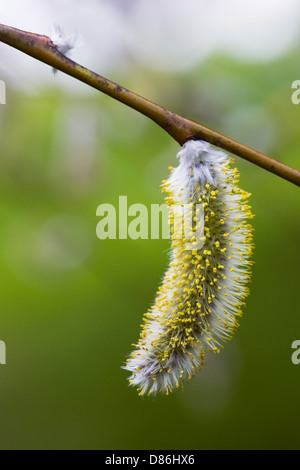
[71,305]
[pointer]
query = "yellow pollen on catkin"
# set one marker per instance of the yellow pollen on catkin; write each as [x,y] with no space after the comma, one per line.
[204,289]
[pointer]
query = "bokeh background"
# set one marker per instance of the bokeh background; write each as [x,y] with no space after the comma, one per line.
[71,305]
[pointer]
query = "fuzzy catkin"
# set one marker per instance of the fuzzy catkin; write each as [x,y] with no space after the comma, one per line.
[64,43]
[198,305]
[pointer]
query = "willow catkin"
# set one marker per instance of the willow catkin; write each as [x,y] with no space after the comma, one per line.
[200,300]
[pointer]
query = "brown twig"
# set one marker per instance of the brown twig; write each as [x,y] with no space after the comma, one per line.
[179,127]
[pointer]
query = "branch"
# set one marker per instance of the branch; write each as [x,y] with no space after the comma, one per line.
[179,127]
